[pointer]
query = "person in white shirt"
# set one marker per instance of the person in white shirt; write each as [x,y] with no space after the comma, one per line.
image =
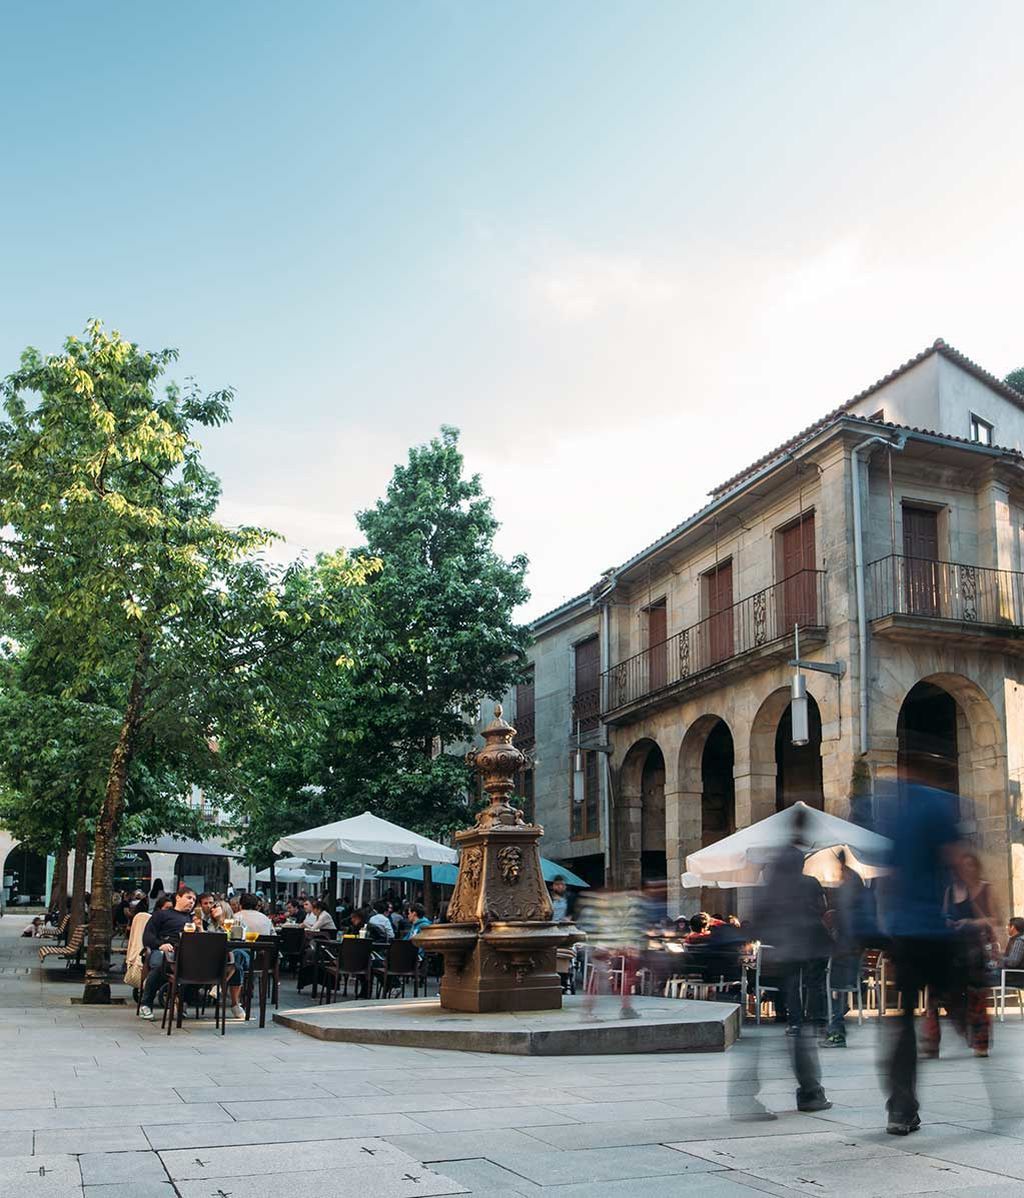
[380,927]
[252,918]
[310,913]
[323,921]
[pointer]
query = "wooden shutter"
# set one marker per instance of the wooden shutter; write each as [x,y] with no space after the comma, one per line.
[657,659]
[921,553]
[719,601]
[588,684]
[799,590]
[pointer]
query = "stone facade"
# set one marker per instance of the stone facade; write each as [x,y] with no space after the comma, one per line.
[692,724]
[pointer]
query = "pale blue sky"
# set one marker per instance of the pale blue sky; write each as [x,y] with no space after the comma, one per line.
[625,247]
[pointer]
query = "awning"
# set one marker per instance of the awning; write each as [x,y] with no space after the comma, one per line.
[445,875]
[172,844]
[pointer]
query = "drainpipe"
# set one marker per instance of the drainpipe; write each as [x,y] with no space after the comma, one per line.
[858,565]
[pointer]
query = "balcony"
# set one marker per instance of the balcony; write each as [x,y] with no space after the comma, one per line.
[586,709]
[912,597]
[755,630]
[526,728]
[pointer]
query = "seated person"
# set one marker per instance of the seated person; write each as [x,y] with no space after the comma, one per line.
[323,921]
[1014,958]
[160,938]
[379,926]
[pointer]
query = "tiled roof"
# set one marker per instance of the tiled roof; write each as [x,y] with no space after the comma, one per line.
[937,347]
[843,411]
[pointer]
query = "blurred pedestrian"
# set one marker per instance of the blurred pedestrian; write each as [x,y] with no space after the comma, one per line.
[615,923]
[921,822]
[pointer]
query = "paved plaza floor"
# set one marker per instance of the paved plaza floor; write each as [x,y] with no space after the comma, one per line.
[97,1104]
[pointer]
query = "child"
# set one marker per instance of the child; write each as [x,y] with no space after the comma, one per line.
[35,928]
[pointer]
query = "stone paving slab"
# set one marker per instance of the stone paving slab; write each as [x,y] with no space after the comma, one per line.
[304,1130]
[132,1189]
[463,1145]
[28,1176]
[413,1182]
[92,1139]
[195,1165]
[554,1167]
[104,1168]
[15,1143]
[881,1177]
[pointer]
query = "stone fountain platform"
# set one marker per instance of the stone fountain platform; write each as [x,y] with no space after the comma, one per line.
[665,1025]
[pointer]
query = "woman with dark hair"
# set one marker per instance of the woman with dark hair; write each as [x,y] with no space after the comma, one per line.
[157,888]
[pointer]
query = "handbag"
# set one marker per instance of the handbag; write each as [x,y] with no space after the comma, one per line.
[133,974]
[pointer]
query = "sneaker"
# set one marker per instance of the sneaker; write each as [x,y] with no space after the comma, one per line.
[146,1013]
[834,1040]
[237,1012]
[792,1031]
[629,1013]
[814,1104]
[902,1127]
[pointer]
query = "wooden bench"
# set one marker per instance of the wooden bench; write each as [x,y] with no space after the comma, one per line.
[70,952]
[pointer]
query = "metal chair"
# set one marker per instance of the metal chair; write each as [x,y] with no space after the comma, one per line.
[355,960]
[291,942]
[1016,985]
[856,988]
[202,959]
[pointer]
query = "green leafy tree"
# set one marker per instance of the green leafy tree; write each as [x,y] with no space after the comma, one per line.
[440,635]
[1015,379]
[111,544]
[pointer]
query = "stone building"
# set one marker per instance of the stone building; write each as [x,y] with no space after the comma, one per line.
[658,713]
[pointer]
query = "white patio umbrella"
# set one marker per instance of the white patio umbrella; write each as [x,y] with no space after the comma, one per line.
[366,840]
[737,860]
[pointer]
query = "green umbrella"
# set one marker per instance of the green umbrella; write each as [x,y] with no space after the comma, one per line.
[445,875]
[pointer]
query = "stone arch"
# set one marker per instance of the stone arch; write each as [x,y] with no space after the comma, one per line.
[767,784]
[707,799]
[634,773]
[980,755]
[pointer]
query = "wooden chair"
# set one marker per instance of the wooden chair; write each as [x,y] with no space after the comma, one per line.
[401,963]
[70,953]
[202,959]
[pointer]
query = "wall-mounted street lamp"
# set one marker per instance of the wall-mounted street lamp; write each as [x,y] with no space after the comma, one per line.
[801,733]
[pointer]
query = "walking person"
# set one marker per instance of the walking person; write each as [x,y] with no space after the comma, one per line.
[789,910]
[921,822]
[851,917]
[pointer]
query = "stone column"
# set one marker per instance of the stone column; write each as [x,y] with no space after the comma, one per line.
[682,836]
[755,790]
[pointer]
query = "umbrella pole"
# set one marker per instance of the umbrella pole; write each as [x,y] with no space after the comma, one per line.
[428,891]
[362,875]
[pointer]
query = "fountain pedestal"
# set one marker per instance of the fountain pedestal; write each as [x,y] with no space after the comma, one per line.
[500,943]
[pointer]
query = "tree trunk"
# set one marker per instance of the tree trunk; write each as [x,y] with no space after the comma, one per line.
[59,898]
[97,961]
[78,877]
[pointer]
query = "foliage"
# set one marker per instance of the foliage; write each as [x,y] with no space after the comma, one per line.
[1015,379]
[440,636]
[115,566]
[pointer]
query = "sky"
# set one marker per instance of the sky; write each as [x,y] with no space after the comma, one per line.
[626,248]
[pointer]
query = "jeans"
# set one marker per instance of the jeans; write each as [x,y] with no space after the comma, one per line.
[919,962]
[155,978]
[803,983]
[745,1081]
[845,974]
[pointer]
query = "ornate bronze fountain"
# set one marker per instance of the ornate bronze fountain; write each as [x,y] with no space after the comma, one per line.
[500,942]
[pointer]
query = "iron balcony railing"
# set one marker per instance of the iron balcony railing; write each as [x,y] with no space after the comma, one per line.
[586,709]
[526,727]
[918,586]
[758,620]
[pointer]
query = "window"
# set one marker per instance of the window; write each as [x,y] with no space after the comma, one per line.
[587,694]
[524,719]
[981,430]
[585,814]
